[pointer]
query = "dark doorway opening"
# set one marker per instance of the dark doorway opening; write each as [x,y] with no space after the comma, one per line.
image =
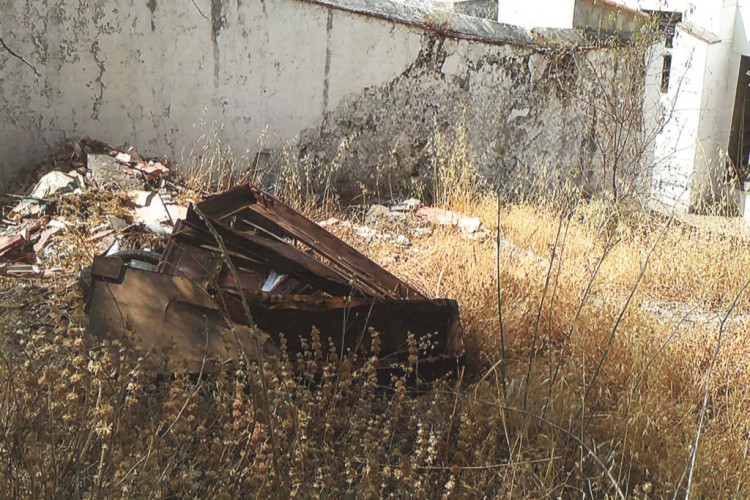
[739,139]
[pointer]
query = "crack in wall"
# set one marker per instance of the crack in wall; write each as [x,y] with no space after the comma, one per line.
[217,24]
[99,99]
[327,74]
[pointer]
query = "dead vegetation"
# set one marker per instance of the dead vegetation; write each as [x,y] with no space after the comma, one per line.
[612,364]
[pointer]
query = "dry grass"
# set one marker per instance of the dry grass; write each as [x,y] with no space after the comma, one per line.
[643,410]
[574,394]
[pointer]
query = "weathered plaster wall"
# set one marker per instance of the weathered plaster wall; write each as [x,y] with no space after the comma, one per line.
[477,8]
[380,76]
[606,16]
[507,101]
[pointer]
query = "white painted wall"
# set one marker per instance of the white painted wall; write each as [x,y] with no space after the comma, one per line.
[714,67]
[537,14]
[717,106]
[675,146]
[690,152]
[378,76]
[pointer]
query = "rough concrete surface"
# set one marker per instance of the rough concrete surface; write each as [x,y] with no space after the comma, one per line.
[378,76]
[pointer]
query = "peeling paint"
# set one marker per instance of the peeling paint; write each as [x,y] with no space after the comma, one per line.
[293,74]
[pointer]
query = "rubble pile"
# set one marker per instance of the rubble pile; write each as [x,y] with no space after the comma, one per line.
[88,198]
[401,223]
[223,278]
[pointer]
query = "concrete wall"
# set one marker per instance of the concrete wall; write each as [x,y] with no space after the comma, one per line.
[606,16]
[478,8]
[691,155]
[378,76]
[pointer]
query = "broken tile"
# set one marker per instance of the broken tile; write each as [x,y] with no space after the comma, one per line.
[46,234]
[11,243]
[123,158]
[153,170]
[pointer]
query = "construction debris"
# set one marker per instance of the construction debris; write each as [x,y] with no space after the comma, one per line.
[470,226]
[25,271]
[242,263]
[152,212]
[80,176]
[410,205]
[35,203]
[368,233]
[14,246]
[230,276]
[124,170]
[107,172]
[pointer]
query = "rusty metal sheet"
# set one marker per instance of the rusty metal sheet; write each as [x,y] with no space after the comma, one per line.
[346,324]
[169,316]
[276,217]
[108,267]
[269,253]
[295,277]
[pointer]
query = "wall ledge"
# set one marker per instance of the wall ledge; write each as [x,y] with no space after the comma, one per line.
[463,27]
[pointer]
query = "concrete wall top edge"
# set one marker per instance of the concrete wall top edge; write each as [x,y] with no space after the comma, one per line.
[461,26]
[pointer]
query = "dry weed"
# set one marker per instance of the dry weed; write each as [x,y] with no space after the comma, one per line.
[584,394]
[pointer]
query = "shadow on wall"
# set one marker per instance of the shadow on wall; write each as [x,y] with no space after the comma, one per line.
[515,112]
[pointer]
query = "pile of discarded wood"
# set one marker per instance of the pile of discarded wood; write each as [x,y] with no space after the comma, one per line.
[242,263]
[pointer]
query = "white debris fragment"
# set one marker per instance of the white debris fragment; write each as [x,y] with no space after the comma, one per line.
[470,226]
[151,211]
[365,232]
[402,240]
[51,183]
[123,158]
[176,212]
[410,205]
[332,221]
